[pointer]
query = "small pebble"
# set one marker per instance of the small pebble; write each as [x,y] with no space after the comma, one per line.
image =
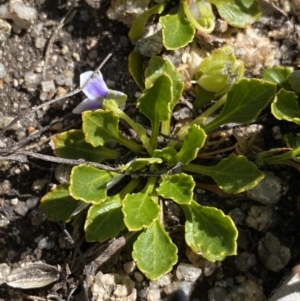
[44,243]
[48,90]
[21,208]
[2,71]
[61,91]
[129,267]
[138,276]
[40,42]
[5,121]
[153,295]
[14,201]
[188,272]
[4,221]
[4,271]
[64,49]
[32,202]
[31,130]
[32,79]
[76,56]
[38,185]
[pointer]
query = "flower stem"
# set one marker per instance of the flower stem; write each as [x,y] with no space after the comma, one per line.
[207,16]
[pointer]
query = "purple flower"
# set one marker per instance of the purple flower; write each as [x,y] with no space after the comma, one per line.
[96,91]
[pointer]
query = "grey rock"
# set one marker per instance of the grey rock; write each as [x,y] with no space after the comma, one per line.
[217,294]
[268,191]
[260,218]
[272,254]
[244,261]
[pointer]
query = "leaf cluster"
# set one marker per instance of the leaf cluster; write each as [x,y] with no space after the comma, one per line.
[178,29]
[167,170]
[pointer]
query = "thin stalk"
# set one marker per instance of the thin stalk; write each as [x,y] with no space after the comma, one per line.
[209,112]
[141,132]
[154,135]
[150,186]
[204,170]
[129,187]
[165,127]
[195,23]
[136,148]
[109,153]
[280,158]
[199,121]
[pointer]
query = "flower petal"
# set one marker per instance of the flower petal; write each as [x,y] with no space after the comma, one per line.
[88,105]
[95,87]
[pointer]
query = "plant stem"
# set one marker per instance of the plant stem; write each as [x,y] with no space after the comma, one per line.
[280,158]
[129,187]
[165,127]
[136,148]
[210,20]
[154,135]
[199,121]
[202,118]
[150,186]
[109,153]
[141,132]
[205,170]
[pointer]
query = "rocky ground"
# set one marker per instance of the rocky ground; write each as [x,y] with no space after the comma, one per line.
[42,60]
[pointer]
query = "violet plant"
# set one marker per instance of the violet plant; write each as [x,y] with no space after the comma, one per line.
[192,16]
[157,171]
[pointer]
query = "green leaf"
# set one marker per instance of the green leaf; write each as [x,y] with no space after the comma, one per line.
[234,174]
[286,107]
[71,145]
[177,32]
[139,211]
[278,75]
[168,154]
[193,141]
[158,66]
[104,220]
[238,13]
[177,187]
[135,67]
[89,183]
[154,252]
[245,101]
[154,103]
[294,81]
[102,126]
[292,140]
[140,163]
[59,204]
[138,25]
[209,231]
